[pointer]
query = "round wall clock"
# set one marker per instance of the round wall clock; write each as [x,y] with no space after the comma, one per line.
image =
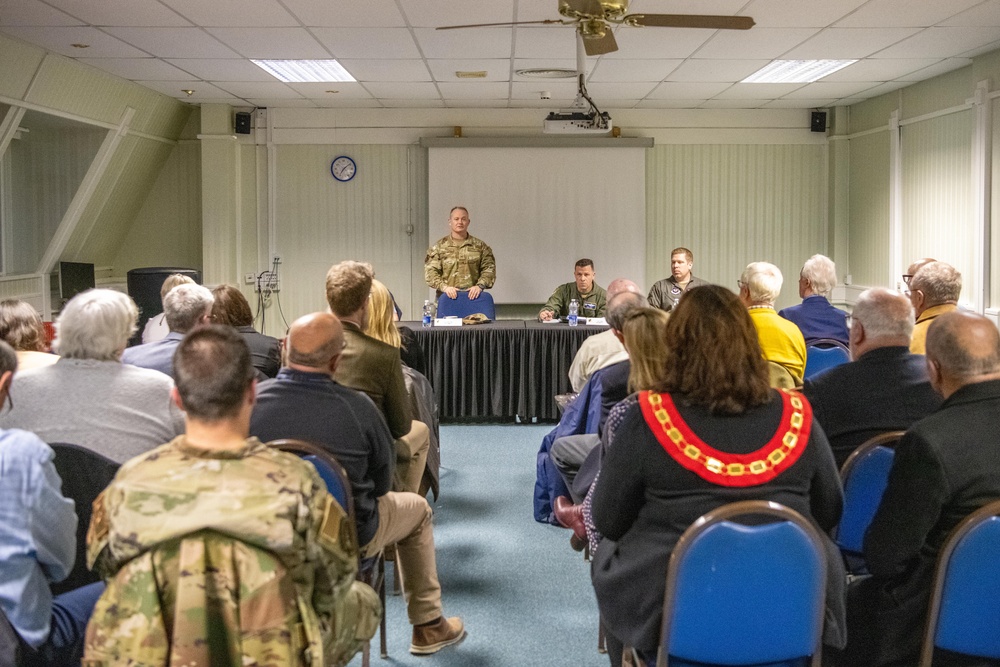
[343,168]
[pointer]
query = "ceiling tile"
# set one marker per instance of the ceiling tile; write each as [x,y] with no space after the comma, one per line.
[882,69]
[534,10]
[419,91]
[750,91]
[473,43]
[785,14]
[686,6]
[496,69]
[821,89]
[411,103]
[942,67]
[558,89]
[434,13]
[672,103]
[549,63]
[944,42]
[716,70]
[799,104]
[633,70]
[346,13]
[658,42]
[148,13]
[267,102]
[271,43]
[482,104]
[234,101]
[903,13]
[547,42]
[201,90]
[260,13]
[220,69]
[33,13]
[174,42]
[61,39]
[847,43]
[602,92]
[384,43]
[733,104]
[848,101]
[886,87]
[135,69]
[335,101]
[547,105]
[687,91]
[487,90]
[318,91]
[387,70]
[754,43]
[985,14]
[248,89]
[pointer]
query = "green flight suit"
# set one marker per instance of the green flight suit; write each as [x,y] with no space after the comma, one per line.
[591,305]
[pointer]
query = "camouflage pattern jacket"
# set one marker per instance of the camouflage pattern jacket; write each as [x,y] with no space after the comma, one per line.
[228,559]
[460,264]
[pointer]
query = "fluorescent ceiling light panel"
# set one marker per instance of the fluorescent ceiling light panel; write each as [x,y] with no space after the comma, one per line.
[305,71]
[796,71]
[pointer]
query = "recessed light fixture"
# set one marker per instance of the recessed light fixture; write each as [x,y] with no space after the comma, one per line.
[187,91]
[305,71]
[80,46]
[796,71]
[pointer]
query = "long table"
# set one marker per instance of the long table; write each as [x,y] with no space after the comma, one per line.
[502,370]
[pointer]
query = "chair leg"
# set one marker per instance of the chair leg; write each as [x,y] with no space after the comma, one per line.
[384,651]
[601,648]
[366,654]
[397,582]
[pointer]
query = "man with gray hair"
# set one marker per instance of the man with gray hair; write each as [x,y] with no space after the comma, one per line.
[185,307]
[601,349]
[946,466]
[884,388]
[781,342]
[815,317]
[934,291]
[88,397]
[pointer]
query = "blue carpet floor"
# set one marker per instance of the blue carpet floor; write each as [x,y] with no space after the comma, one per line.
[524,595]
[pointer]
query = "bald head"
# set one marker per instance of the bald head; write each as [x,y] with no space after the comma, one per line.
[962,348]
[912,269]
[882,318]
[314,342]
[620,286]
[621,305]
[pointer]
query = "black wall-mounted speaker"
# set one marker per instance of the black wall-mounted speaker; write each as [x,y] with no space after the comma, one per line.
[243,122]
[817,122]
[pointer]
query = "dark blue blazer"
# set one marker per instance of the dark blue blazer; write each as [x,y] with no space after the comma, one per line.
[816,318]
[158,355]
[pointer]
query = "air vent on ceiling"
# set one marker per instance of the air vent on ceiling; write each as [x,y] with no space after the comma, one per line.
[546,73]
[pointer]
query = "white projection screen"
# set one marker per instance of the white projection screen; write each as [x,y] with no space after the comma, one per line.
[541,209]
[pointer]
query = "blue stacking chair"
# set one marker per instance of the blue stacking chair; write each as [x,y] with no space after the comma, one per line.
[865,474]
[824,354]
[464,306]
[745,594]
[370,570]
[965,602]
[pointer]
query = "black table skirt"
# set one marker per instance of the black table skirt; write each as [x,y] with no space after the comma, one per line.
[501,370]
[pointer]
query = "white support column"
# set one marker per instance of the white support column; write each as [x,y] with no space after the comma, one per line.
[982,159]
[84,193]
[8,127]
[896,264]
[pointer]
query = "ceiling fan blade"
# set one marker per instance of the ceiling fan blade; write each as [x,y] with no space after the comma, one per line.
[491,25]
[600,45]
[581,7]
[692,21]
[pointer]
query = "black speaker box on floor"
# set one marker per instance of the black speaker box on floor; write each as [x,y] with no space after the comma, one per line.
[818,121]
[243,122]
[144,288]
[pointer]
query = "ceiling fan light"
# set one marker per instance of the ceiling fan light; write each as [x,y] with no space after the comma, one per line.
[305,71]
[796,71]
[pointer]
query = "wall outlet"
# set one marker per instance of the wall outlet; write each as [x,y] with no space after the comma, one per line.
[249,278]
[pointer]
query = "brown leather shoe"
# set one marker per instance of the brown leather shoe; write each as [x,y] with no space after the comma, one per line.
[428,639]
[570,516]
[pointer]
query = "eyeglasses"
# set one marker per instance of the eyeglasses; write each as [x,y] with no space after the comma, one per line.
[907,277]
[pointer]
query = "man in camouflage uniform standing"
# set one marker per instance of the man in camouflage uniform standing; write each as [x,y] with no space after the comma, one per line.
[460,261]
[219,550]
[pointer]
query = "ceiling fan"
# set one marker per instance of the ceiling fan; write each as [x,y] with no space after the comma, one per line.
[593,19]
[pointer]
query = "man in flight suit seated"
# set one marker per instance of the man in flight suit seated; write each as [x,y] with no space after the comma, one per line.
[590,297]
[946,466]
[664,294]
[460,261]
[219,550]
[305,403]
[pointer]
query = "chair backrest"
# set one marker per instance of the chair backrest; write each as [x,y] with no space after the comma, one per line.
[718,577]
[824,354]
[965,602]
[463,306]
[326,464]
[865,475]
[85,474]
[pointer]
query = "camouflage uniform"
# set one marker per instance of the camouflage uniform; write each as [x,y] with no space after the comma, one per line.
[225,558]
[460,264]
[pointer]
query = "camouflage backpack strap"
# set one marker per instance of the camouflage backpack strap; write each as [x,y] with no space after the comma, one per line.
[724,468]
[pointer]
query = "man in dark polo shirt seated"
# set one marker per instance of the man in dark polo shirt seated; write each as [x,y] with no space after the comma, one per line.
[305,403]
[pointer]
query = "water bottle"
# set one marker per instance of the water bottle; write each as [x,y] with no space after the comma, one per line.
[574,310]
[428,315]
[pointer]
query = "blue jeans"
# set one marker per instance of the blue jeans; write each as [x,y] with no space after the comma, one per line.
[70,613]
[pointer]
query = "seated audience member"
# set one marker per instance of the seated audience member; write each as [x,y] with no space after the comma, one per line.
[22,329]
[815,317]
[946,466]
[934,290]
[156,327]
[381,325]
[643,335]
[230,307]
[88,397]
[305,403]
[218,549]
[38,534]
[715,385]
[601,349]
[590,297]
[912,269]
[185,307]
[666,293]
[569,452]
[780,340]
[885,388]
[374,367]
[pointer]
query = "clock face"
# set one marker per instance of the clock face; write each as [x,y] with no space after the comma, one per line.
[343,168]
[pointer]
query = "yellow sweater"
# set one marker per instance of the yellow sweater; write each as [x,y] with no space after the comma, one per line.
[918,342]
[780,341]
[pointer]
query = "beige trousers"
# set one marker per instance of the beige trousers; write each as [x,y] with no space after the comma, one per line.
[404,519]
[411,457]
